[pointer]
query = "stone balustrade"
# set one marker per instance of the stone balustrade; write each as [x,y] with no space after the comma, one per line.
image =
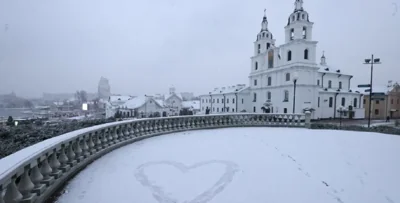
[35,173]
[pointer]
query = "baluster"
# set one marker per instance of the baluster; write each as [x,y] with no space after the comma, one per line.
[166,125]
[98,141]
[63,160]
[151,129]
[92,146]
[146,127]
[104,141]
[169,124]
[178,124]
[161,125]
[1,195]
[71,155]
[188,126]
[183,122]
[46,170]
[157,125]
[78,151]
[298,120]
[25,186]
[187,123]
[126,132]
[293,120]
[85,147]
[193,122]
[284,120]
[137,131]
[132,130]
[115,132]
[120,133]
[141,128]
[37,179]
[110,138]
[55,164]
[206,121]
[12,194]
[175,124]
[280,119]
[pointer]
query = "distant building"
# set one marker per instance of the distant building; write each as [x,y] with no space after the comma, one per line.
[385,102]
[104,89]
[141,106]
[226,99]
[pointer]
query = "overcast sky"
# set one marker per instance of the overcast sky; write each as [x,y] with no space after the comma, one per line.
[145,46]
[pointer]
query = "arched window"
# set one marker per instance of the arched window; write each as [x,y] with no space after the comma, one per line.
[263,34]
[340,85]
[268,95]
[254,109]
[254,97]
[289,55]
[292,34]
[355,103]
[267,35]
[268,45]
[330,84]
[287,76]
[306,54]
[286,96]
[259,48]
[256,65]
[343,101]
[269,81]
[298,16]
[292,18]
[304,33]
[302,16]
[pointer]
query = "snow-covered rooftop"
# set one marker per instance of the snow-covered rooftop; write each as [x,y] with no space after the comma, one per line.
[228,89]
[244,165]
[329,69]
[134,102]
[160,102]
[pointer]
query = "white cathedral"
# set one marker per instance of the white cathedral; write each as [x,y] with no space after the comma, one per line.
[288,78]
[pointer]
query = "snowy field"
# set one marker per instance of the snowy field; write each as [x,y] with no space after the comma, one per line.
[246,165]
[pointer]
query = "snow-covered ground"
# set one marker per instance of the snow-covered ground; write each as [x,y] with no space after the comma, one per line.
[243,165]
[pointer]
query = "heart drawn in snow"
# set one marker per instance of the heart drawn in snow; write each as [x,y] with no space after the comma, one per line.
[161,196]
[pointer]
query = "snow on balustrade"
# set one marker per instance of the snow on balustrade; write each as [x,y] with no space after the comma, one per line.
[36,172]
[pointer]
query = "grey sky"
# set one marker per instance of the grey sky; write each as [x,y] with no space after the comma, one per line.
[146,46]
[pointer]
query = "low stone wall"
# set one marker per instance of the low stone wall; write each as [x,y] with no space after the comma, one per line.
[36,172]
[377,129]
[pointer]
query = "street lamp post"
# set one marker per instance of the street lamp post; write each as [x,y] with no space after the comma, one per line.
[295,77]
[371,61]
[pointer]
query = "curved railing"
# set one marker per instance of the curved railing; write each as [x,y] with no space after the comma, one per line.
[35,173]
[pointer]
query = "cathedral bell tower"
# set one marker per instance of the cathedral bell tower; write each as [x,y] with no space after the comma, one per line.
[265,39]
[299,25]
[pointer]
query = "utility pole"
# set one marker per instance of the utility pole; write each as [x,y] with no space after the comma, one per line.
[371,61]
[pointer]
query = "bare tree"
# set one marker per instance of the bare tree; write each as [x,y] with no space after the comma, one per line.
[81,96]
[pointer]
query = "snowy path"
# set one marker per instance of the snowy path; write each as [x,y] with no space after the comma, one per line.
[241,165]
